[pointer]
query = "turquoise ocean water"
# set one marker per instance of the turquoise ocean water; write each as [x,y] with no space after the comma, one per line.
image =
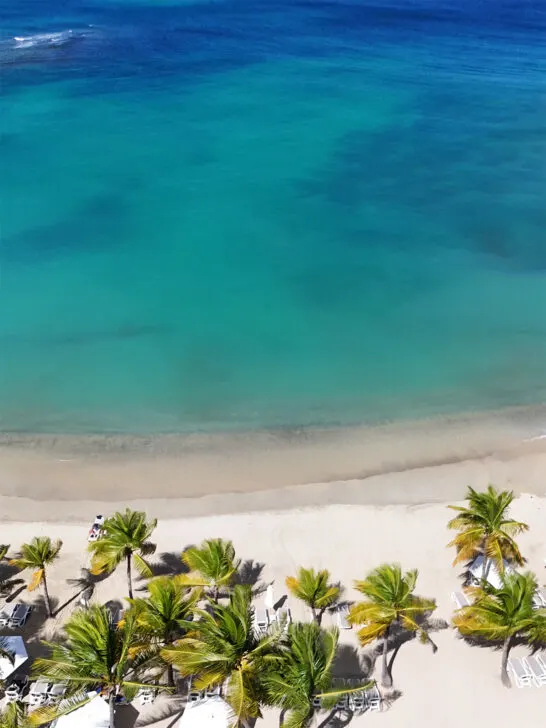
[258,214]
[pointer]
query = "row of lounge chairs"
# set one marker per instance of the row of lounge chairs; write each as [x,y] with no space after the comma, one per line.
[360,701]
[39,694]
[196,696]
[265,618]
[528,671]
[357,702]
[14,615]
[539,599]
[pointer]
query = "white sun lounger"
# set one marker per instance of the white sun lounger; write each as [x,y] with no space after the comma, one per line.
[20,615]
[537,670]
[460,599]
[520,672]
[39,691]
[342,618]
[541,594]
[261,620]
[56,693]
[373,699]
[357,702]
[194,695]
[213,691]
[282,617]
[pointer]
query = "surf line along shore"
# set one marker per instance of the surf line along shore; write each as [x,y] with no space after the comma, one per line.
[68,477]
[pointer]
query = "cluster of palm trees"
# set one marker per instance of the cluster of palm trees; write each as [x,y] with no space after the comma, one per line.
[508,613]
[200,623]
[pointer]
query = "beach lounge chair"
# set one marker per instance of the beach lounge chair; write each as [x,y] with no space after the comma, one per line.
[95,532]
[520,672]
[460,599]
[541,657]
[39,691]
[56,693]
[261,620]
[541,594]
[475,572]
[213,691]
[317,704]
[357,702]
[20,615]
[14,691]
[282,617]
[146,696]
[373,699]
[342,620]
[343,703]
[536,669]
[194,696]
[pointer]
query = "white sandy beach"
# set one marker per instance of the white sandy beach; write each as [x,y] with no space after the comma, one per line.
[458,685]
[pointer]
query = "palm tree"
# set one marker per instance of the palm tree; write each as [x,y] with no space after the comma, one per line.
[126,536]
[96,652]
[390,601]
[485,528]
[5,652]
[6,584]
[501,615]
[15,715]
[304,674]
[222,646]
[163,615]
[38,554]
[213,565]
[313,588]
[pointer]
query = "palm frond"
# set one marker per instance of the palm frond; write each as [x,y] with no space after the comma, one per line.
[314,588]
[212,564]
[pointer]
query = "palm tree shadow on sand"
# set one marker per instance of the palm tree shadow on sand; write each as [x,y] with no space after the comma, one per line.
[249,573]
[85,586]
[165,707]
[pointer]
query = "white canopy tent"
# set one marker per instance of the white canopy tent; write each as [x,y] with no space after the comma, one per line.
[493,576]
[94,714]
[15,646]
[209,713]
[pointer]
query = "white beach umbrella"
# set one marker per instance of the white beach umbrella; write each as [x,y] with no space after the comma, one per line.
[94,714]
[16,646]
[269,600]
[209,713]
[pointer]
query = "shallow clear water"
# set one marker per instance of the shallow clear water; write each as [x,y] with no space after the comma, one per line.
[251,214]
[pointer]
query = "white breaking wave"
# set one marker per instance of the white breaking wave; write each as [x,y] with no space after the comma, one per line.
[45,39]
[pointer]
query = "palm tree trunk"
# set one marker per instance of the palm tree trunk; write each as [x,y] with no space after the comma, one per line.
[111,706]
[46,594]
[216,594]
[129,579]
[505,652]
[315,615]
[386,679]
[170,676]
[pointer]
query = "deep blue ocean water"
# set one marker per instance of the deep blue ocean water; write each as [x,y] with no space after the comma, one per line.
[256,214]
